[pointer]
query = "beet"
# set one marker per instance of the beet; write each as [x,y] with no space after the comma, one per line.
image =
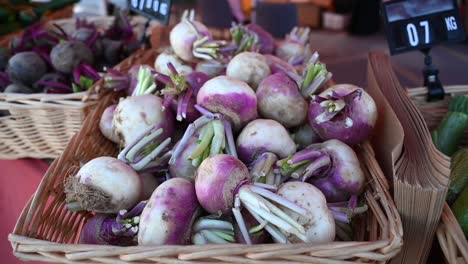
[26,68]
[68,55]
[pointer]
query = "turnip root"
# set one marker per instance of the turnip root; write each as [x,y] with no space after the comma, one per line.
[295,48]
[344,112]
[209,230]
[135,114]
[26,68]
[108,229]
[318,221]
[105,124]
[279,99]
[331,166]
[249,67]
[222,185]
[168,217]
[264,135]
[103,185]
[265,40]
[163,59]
[232,98]
[191,40]
[68,55]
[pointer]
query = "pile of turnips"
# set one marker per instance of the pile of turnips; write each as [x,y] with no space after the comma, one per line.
[48,60]
[260,152]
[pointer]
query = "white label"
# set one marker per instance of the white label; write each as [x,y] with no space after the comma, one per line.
[156,5]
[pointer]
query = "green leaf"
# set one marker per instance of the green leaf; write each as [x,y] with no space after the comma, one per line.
[76,88]
[86,82]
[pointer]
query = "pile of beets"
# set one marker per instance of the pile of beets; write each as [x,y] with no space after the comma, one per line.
[227,142]
[48,60]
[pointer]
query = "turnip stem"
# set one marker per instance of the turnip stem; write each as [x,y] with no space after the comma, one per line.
[205,112]
[224,235]
[315,166]
[246,195]
[270,178]
[298,172]
[258,206]
[302,155]
[213,238]
[212,224]
[199,239]
[266,186]
[142,144]
[185,101]
[171,67]
[205,138]
[352,211]
[258,228]
[147,159]
[278,199]
[201,121]
[314,86]
[230,138]
[241,223]
[136,210]
[179,109]
[218,137]
[275,233]
[263,164]
[340,216]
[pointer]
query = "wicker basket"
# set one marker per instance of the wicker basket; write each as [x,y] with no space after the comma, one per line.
[40,125]
[47,231]
[449,233]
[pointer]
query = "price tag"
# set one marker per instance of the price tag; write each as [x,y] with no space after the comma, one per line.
[420,24]
[155,9]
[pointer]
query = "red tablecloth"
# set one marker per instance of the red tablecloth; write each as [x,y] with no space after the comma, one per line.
[18,181]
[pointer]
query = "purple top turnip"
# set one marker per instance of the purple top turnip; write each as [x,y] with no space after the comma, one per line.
[251,38]
[108,229]
[103,185]
[344,112]
[191,40]
[294,49]
[331,166]
[183,167]
[138,113]
[279,99]
[212,68]
[68,55]
[232,98]
[249,67]
[264,135]
[168,217]
[26,68]
[304,136]
[222,185]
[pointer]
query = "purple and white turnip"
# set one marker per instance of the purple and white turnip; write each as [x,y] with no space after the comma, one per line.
[344,112]
[169,214]
[249,67]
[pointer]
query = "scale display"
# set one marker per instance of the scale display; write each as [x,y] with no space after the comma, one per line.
[420,24]
[154,9]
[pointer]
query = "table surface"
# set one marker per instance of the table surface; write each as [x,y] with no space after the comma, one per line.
[18,180]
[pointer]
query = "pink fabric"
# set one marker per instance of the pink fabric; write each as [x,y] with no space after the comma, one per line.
[236,9]
[18,181]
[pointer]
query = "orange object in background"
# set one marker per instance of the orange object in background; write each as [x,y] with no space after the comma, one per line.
[247,6]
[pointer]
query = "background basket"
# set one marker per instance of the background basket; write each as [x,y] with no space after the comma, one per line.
[40,125]
[449,233]
[47,231]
